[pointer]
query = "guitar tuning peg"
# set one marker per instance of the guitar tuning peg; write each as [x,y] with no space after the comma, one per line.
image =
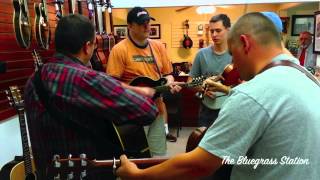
[57,177]
[70,162]
[83,174]
[70,176]
[83,159]
[56,162]
[7,92]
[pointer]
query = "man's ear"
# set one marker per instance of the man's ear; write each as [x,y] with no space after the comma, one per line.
[85,47]
[129,26]
[245,43]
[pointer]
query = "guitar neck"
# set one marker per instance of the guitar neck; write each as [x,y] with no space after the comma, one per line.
[144,162]
[25,143]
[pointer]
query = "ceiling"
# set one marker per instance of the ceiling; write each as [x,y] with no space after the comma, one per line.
[167,3]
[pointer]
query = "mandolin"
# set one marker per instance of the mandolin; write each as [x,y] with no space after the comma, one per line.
[229,77]
[160,84]
[187,42]
[21,23]
[42,27]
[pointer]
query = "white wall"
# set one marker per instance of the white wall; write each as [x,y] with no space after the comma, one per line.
[10,140]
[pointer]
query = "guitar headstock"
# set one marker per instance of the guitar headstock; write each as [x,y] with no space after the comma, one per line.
[75,168]
[14,97]
[37,60]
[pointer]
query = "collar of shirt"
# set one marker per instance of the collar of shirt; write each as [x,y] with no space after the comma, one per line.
[68,58]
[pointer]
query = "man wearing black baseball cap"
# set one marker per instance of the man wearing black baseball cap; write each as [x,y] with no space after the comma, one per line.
[138,15]
[137,56]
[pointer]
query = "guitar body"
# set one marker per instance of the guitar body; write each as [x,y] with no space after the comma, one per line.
[7,168]
[21,23]
[148,82]
[15,170]
[133,140]
[224,172]
[42,28]
[231,76]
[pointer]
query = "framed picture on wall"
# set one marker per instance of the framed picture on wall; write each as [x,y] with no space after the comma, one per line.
[155,32]
[302,23]
[121,31]
[316,40]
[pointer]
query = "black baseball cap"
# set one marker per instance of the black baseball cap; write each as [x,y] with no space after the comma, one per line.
[138,15]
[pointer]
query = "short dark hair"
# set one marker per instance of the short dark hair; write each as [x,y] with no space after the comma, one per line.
[258,26]
[221,17]
[72,32]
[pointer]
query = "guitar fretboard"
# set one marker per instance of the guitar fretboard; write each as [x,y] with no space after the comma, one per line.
[25,143]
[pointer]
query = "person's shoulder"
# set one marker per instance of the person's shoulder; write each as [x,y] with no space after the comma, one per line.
[123,44]
[156,43]
[205,50]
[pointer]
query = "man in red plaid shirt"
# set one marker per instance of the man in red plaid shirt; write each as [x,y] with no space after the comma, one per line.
[90,99]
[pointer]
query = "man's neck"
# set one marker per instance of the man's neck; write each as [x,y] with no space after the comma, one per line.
[265,58]
[141,43]
[220,48]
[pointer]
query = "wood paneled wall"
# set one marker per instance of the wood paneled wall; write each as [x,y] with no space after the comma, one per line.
[18,60]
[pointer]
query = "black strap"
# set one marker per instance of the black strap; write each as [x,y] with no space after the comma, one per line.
[291,64]
[65,119]
[155,61]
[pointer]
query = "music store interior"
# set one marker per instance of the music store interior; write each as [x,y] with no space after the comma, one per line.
[27,34]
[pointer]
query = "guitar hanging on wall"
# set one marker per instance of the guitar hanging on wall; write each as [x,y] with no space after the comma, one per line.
[21,23]
[42,27]
[59,9]
[187,41]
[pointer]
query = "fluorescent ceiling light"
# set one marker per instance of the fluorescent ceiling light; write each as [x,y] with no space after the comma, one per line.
[206,9]
[170,3]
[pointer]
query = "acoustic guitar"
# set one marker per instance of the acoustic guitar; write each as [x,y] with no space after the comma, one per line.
[224,172]
[19,169]
[42,27]
[80,168]
[21,23]
[187,41]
